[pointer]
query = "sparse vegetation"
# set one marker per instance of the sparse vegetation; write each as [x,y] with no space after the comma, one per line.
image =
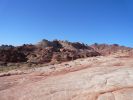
[8,68]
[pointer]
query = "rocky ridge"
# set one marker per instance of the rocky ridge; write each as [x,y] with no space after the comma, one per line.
[46,52]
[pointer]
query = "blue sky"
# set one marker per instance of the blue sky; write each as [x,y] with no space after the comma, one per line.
[88,21]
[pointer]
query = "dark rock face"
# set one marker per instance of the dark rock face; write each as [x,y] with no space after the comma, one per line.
[15,54]
[12,55]
[45,52]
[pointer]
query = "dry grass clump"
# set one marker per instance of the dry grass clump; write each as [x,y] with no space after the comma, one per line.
[7,68]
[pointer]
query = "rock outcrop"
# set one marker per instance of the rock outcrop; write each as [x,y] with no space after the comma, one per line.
[105,49]
[57,51]
[45,52]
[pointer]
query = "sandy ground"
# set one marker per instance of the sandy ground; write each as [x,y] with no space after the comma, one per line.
[96,78]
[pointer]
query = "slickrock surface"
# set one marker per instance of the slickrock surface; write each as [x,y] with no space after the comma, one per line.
[96,78]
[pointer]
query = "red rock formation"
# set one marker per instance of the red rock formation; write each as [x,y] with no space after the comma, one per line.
[57,51]
[46,51]
[105,49]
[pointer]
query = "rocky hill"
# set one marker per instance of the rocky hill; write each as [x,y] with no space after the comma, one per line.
[57,51]
[45,52]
